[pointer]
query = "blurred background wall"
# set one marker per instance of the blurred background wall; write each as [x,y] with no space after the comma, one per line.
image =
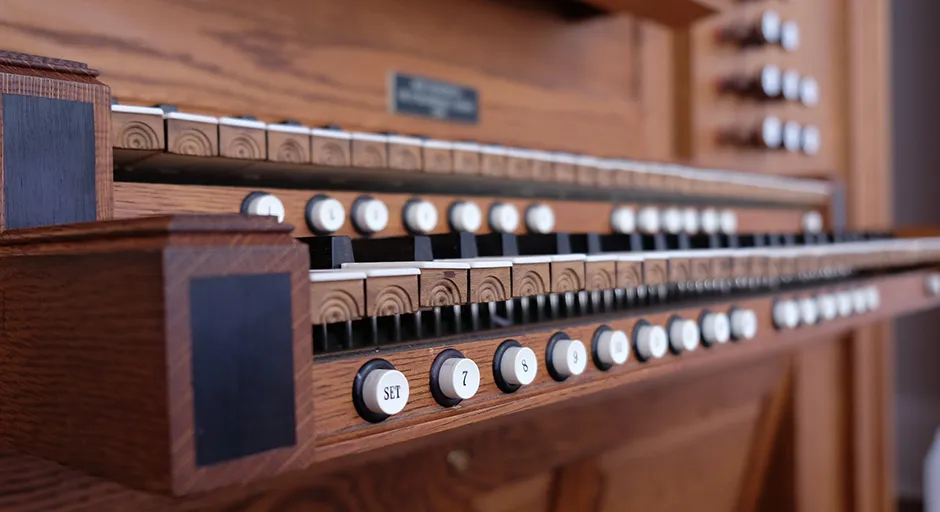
[916,92]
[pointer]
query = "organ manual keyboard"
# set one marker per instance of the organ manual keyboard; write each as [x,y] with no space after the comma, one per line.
[246,267]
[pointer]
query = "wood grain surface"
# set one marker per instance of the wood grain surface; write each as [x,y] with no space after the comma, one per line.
[143,199]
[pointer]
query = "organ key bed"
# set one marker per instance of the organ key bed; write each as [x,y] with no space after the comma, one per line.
[254,265]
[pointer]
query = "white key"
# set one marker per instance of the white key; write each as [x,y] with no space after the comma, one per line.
[845,303]
[792,136]
[504,218]
[325,214]
[540,218]
[716,328]
[385,391]
[466,216]
[459,378]
[370,215]
[651,342]
[828,309]
[518,366]
[569,357]
[743,324]
[613,347]
[711,221]
[690,221]
[623,220]
[265,204]
[683,334]
[809,91]
[420,216]
[786,314]
[648,220]
[791,85]
[672,220]
[790,36]
[809,311]
[728,222]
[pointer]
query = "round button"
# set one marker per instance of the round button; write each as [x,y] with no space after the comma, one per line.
[828,309]
[540,218]
[518,366]
[790,36]
[325,214]
[770,26]
[792,136]
[932,284]
[786,314]
[809,91]
[743,324]
[790,85]
[651,342]
[874,298]
[770,81]
[716,328]
[459,378]
[810,140]
[812,222]
[711,221]
[859,301]
[809,311]
[728,222]
[672,220]
[683,334]
[649,220]
[504,218]
[845,303]
[690,221]
[623,220]
[771,132]
[261,203]
[370,215]
[569,357]
[385,391]
[613,347]
[466,216]
[420,216]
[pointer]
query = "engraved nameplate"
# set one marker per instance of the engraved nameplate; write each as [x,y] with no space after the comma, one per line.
[426,97]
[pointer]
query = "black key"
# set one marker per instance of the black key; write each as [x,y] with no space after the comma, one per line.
[678,242]
[589,243]
[497,244]
[402,248]
[454,245]
[542,245]
[328,252]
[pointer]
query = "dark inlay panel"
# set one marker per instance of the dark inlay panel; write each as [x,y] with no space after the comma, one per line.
[242,361]
[48,161]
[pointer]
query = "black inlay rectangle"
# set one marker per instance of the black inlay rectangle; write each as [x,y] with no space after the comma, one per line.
[243,370]
[48,161]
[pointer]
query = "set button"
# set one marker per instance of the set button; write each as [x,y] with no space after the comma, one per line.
[379,390]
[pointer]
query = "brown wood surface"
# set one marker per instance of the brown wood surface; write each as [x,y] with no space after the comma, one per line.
[337,301]
[142,132]
[392,295]
[490,284]
[192,138]
[288,147]
[404,157]
[142,199]
[567,276]
[123,381]
[243,143]
[369,154]
[443,287]
[675,13]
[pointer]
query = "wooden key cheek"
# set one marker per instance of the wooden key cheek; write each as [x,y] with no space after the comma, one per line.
[490,284]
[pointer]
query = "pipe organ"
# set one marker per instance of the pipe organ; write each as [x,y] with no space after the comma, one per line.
[446,255]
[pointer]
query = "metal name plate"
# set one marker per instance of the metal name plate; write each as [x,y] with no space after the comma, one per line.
[426,97]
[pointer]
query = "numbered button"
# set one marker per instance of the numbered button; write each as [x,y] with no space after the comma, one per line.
[465,216]
[325,215]
[672,220]
[420,216]
[379,390]
[565,357]
[262,203]
[504,218]
[369,215]
[786,314]
[459,378]
[514,366]
[728,222]
[690,221]
[845,303]
[743,324]
[828,308]
[651,341]
[540,219]
[710,221]
[874,298]
[859,301]
[611,347]
[683,334]
[809,311]
[716,328]
[649,220]
[623,220]
[792,136]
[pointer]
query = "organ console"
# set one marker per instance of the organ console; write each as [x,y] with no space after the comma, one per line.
[451,255]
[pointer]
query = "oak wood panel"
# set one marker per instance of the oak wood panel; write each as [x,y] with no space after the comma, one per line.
[341,432]
[577,486]
[142,199]
[675,13]
[327,62]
